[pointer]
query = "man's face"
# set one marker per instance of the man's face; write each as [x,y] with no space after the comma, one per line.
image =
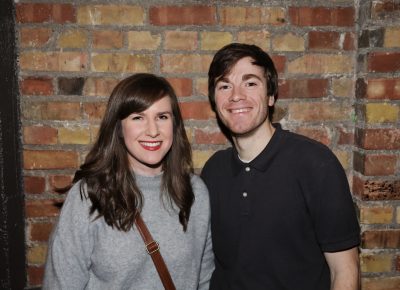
[241,98]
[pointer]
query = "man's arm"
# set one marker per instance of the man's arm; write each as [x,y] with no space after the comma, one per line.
[344,268]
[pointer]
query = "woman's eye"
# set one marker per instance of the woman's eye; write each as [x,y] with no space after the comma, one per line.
[136,118]
[163,117]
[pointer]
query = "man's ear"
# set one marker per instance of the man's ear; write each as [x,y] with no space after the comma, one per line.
[271,101]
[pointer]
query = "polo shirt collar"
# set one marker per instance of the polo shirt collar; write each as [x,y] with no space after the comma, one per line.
[263,160]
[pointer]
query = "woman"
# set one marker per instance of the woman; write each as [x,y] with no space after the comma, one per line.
[141,162]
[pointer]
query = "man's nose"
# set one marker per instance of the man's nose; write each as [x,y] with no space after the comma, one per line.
[237,95]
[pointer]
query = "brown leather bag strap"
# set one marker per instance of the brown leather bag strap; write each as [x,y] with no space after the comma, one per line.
[153,250]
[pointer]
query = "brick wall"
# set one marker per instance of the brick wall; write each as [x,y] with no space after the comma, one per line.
[339,67]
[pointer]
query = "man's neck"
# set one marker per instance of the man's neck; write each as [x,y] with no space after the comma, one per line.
[249,146]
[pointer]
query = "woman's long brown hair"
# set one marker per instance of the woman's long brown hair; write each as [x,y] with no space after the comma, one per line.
[106,173]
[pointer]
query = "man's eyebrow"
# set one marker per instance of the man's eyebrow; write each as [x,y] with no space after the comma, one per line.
[221,79]
[249,76]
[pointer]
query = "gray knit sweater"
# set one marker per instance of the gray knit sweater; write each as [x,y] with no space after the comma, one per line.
[87,254]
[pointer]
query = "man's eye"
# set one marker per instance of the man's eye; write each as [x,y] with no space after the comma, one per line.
[223,87]
[251,84]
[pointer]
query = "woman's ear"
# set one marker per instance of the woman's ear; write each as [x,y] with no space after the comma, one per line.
[271,101]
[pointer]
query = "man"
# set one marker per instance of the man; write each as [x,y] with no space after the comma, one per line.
[282,216]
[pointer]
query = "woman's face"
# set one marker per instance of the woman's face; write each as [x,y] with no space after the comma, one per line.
[148,137]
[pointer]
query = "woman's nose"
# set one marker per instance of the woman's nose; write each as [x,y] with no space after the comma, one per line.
[152,129]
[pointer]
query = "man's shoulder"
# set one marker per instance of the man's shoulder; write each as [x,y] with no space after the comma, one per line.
[217,162]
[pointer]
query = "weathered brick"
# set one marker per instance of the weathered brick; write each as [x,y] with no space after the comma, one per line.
[180,40]
[343,87]
[392,37]
[34,184]
[383,89]
[78,135]
[94,130]
[201,86]
[241,16]
[371,38]
[321,135]
[214,40]
[196,110]
[288,42]
[376,139]
[107,39]
[322,16]
[42,208]
[53,61]
[321,64]
[383,61]
[58,182]
[183,86]
[70,86]
[209,137]
[306,88]
[376,215]
[381,112]
[279,62]
[376,189]
[321,40]
[398,219]
[42,135]
[319,111]
[379,165]
[260,38]
[45,159]
[376,263]
[73,38]
[99,86]
[383,9]
[346,136]
[380,283]
[110,15]
[52,111]
[200,157]
[40,231]
[178,63]
[34,37]
[35,275]
[348,42]
[41,12]
[343,157]
[37,86]
[36,254]
[143,40]
[94,111]
[380,239]
[182,15]
[121,62]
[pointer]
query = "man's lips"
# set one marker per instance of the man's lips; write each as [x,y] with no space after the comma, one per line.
[239,110]
[150,145]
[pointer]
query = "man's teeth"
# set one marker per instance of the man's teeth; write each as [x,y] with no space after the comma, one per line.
[151,144]
[239,110]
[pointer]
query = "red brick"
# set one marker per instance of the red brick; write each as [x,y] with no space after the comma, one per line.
[397,264]
[385,9]
[380,239]
[40,12]
[40,231]
[345,137]
[34,184]
[383,62]
[378,139]
[45,159]
[35,275]
[279,62]
[323,40]
[321,16]
[196,110]
[297,88]
[368,189]
[183,86]
[108,39]
[348,43]
[320,135]
[42,208]
[380,165]
[58,182]
[37,86]
[383,89]
[34,37]
[42,135]
[185,15]
[205,137]
[95,111]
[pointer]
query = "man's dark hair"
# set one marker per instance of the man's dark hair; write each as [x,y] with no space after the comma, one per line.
[229,55]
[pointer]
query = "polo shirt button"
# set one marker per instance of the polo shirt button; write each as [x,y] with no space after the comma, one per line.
[247,169]
[244,194]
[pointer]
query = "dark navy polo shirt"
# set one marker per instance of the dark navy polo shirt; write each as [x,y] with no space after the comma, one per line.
[273,218]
